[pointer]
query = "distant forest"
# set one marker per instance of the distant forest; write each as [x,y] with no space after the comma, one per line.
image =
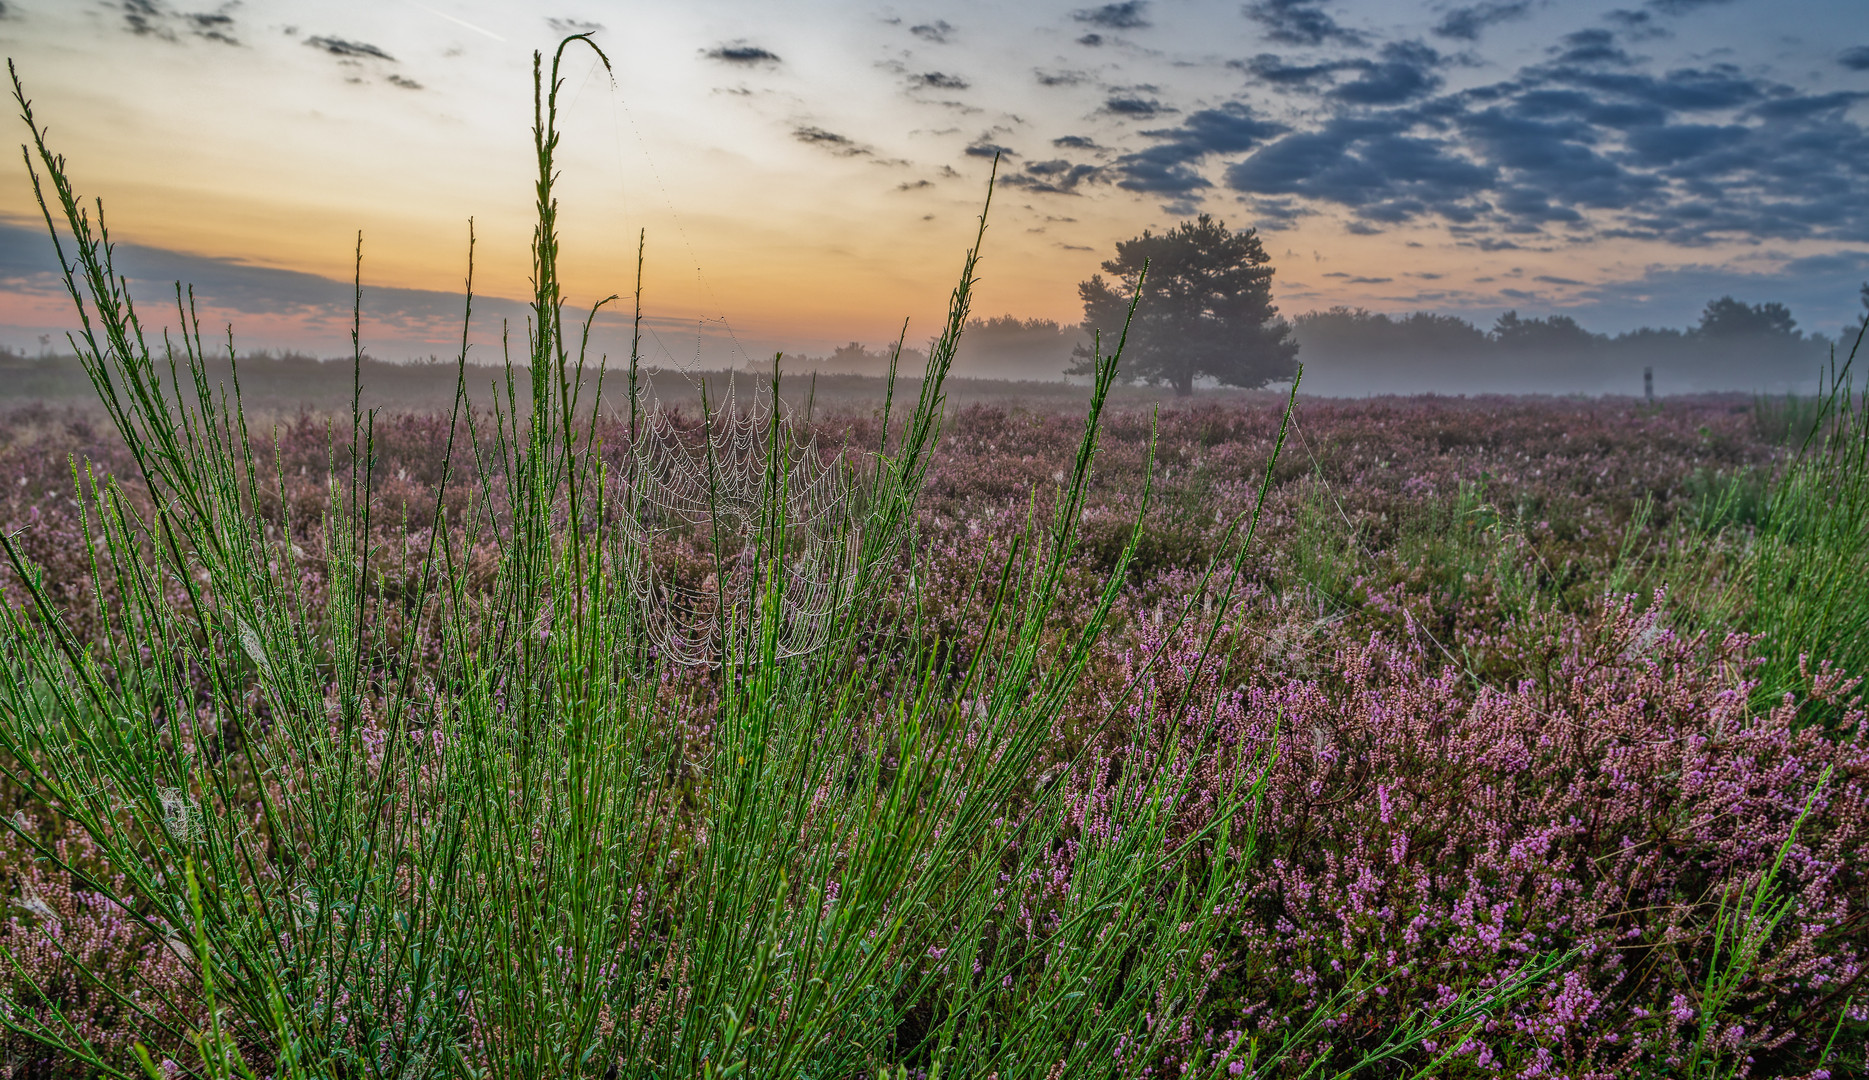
[1353,352]
[1735,346]
[1348,352]
[1002,347]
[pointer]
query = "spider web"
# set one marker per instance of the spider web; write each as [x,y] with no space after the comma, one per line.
[771,517]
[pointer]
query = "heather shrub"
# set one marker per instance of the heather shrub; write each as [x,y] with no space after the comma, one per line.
[76,953]
[1420,839]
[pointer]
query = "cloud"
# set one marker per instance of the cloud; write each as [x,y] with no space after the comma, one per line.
[1277,215]
[1556,155]
[1592,46]
[214,26]
[1545,102]
[1553,279]
[1159,173]
[1228,129]
[1091,40]
[981,148]
[1682,7]
[567,27]
[1274,69]
[404,82]
[1771,164]
[1638,25]
[1128,15]
[141,17]
[298,310]
[151,19]
[1363,164]
[939,31]
[1300,22]
[349,50]
[1668,144]
[1719,87]
[1820,289]
[1405,72]
[26,261]
[1055,177]
[1141,107]
[938,80]
[914,185]
[1168,167]
[742,54]
[1074,142]
[1799,106]
[1059,78]
[1856,59]
[1587,144]
[1465,23]
[841,145]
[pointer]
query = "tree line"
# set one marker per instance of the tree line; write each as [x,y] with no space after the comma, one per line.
[1207,317]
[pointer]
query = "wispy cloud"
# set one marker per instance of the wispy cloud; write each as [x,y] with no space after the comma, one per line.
[1060,78]
[1136,107]
[1683,7]
[742,54]
[153,19]
[1054,177]
[1129,15]
[1301,22]
[940,31]
[1466,23]
[349,50]
[938,80]
[841,145]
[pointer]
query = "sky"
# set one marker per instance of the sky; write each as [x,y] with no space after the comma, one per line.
[810,173]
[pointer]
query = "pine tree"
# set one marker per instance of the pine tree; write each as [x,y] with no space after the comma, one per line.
[1206,309]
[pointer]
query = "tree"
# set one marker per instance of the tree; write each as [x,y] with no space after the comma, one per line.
[1851,331]
[1008,347]
[1559,333]
[1347,331]
[1206,309]
[1730,318]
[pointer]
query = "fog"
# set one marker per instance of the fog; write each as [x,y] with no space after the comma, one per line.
[1350,352]
[1000,347]
[1736,346]
[1346,352]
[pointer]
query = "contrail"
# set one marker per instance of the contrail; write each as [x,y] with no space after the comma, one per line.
[463,22]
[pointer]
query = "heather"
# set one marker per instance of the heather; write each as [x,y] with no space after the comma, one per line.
[1396,737]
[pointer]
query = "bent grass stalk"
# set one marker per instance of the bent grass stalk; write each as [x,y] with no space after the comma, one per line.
[499,860]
